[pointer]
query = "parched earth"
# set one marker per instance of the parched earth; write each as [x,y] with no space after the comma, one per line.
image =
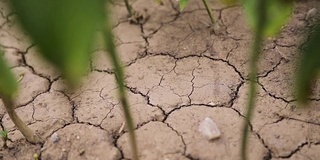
[177,74]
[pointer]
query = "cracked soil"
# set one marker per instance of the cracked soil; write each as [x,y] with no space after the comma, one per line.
[177,74]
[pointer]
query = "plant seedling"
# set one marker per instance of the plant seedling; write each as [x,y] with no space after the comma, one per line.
[214,26]
[4,137]
[135,16]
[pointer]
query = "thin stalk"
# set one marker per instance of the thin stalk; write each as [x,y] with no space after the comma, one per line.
[256,50]
[208,8]
[110,45]
[5,145]
[128,6]
[23,128]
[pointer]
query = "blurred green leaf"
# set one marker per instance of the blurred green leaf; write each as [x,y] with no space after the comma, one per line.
[183,4]
[308,67]
[8,83]
[277,14]
[63,30]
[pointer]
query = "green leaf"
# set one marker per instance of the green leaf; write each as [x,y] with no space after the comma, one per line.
[277,14]
[8,83]
[4,134]
[309,67]
[63,30]
[183,4]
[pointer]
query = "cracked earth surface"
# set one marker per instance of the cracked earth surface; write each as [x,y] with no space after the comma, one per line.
[177,74]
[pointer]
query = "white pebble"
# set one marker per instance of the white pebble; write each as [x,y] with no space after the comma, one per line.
[54,137]
[78,137]
[209,129]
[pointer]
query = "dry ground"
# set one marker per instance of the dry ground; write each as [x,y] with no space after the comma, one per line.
[177,73]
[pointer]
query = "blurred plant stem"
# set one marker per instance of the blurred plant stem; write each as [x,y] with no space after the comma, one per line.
[111,48]
[208,8]
[128,6]
[23,128]
[256,50]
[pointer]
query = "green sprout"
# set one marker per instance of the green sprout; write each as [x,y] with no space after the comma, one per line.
[4,137]
[36,156]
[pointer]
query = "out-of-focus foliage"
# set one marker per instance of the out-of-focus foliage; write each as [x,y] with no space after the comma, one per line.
[277,14]
[8,83]
[63,30]
[309,66]
[260,23]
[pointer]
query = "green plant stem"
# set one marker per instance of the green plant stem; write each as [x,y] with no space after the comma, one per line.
[128,6]
[5,144]
[254,57]
[110,45]
[123,98]
[23,128]
[208,8]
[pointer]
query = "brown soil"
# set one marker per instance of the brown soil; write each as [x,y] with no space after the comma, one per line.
[177,74]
